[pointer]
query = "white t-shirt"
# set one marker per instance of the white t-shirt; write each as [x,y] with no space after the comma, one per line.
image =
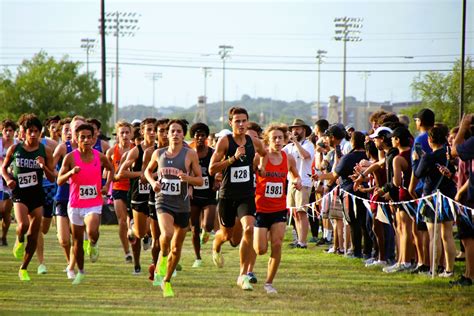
[303,165]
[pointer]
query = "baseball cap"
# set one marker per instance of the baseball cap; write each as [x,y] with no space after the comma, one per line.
[426,116]
[336,131]
[381,131]
[223,133]
[400,132]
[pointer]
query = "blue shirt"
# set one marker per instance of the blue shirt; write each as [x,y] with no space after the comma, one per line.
[421,139]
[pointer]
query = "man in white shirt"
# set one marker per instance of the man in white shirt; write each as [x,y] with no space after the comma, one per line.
[303,152]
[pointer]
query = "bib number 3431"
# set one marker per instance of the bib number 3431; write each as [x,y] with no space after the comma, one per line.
[239,174]
[87,192]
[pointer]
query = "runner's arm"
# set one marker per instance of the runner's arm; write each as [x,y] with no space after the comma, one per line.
[6,163]
[67,170]
[195,176]
[124,171]
[218,163]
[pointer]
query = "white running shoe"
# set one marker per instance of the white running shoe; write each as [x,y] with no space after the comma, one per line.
[71,275]
[269,288]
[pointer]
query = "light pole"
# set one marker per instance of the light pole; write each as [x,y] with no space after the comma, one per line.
[111,72]
[347,30]
[365,75]
[224,51]
[119,24]
[88,44]
[154,76]
[206,71]
[319,57]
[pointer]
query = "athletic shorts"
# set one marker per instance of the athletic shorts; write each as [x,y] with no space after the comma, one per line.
[49,193]
[266,220]
[33,198]
[77,214]
[141,208]
[152,211]
[5,195]
[60,208]
[229,209]
[120,195]
[203,202]
[180,219]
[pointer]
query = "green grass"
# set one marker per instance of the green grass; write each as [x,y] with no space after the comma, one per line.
[309,282]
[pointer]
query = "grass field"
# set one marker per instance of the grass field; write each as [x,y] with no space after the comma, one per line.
[309,282]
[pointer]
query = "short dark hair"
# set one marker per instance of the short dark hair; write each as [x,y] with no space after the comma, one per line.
[94,121]
[28,120]
[148,120]
[371,149]
[9,123]
[66,120]
[183,123]
[236,110]
[438,134]
[84,127]
[253,126]
[199,127]
[162,121]
[388,117]
[374,117]
[322,125]
[51,119]
[358,140]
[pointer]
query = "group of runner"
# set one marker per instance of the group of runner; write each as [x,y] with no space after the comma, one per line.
[159,185]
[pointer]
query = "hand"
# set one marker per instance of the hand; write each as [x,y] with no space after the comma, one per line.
[444,171]
[183,176]
[190,191]
[466,121]
[156,187]
[11,184]
[240,152]
[75,170]
[217,185]
[104,191]
[386,196]
[40,161]
[218,177]
[297,184]
[414,156]
[315,177]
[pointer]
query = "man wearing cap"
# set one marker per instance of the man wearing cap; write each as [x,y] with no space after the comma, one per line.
[303,152]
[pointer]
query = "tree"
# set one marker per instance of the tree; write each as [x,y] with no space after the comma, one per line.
[441,93]
[47,87]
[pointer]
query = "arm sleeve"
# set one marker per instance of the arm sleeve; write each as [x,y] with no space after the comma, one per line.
[423,166]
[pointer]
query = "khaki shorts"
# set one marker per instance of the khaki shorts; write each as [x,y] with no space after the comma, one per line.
[297,198]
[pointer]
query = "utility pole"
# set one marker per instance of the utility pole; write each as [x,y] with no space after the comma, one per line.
[365,75]
[119,24]
[102,50]
[319,57]
[207,73]
[463,58]
[154,76]
[347,30]
[224,53]
[88,44]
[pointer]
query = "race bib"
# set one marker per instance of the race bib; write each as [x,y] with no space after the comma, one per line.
[87,192]
[26,180]
[239,174]
[170,186]
[274,190]
[143,188]
[205,184]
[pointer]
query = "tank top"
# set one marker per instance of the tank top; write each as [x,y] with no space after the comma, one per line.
[151,196]
[98,145]
[270,195]
[140,190]
[85,186]
[403,194]
[122,184]
[62,193]
[46,182]
[238,178]
[27,173]
[174,193]
[205,191]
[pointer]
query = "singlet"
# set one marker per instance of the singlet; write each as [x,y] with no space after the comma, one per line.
[46,182]
[27,173]
[98,145]
[140,191]
[237,181]
[270,195]
[151,197]
[62,193]
[85,186]
[3,154]
[122,184]
[205,191]
[173,195]
[403,194]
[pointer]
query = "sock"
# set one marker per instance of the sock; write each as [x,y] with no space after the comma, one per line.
[329,235]
[325,233]
[163,265]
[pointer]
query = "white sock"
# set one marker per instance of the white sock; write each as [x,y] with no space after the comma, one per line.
[329,235]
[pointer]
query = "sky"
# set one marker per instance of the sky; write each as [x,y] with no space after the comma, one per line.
[274,46]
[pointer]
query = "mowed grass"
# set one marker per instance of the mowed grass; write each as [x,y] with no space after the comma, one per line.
[309,282]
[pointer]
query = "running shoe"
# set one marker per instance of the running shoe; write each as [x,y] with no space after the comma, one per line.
[157,279]
[23,275]
[167,290]
[313,240]
[137,270]
[421,269]
[4,242]
[71,275]
[330,250]
[218,259]
[79,278]
[197,263]
[461,281]
[322,241]
[269,288]
[94,252]
[86,245]
[146,243]
[42,269]
[246,286]
[252,277]
[301,246]
[151,272]
[204,237]
[128,258]
[376,263]
[397,267]
[370,261]
[446,274]
[19,250]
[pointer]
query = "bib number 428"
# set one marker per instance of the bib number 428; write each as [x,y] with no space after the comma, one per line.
[239,174]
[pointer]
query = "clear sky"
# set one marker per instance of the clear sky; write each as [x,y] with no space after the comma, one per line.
[176,38]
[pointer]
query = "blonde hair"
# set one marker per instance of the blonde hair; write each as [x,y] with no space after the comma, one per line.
[78,118]
[120,124]
[275,127]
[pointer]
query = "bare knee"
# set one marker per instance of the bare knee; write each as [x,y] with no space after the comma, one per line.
[261,250]
[23,228]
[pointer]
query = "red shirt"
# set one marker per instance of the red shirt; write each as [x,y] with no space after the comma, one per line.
[270,194]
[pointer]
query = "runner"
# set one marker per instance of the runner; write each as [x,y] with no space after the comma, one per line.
[120,187]
[82,168]
[234,157]
[28,160]
[203,200]
[140,190]
[270,199]
[61,199]
[175,165]
[8,131]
